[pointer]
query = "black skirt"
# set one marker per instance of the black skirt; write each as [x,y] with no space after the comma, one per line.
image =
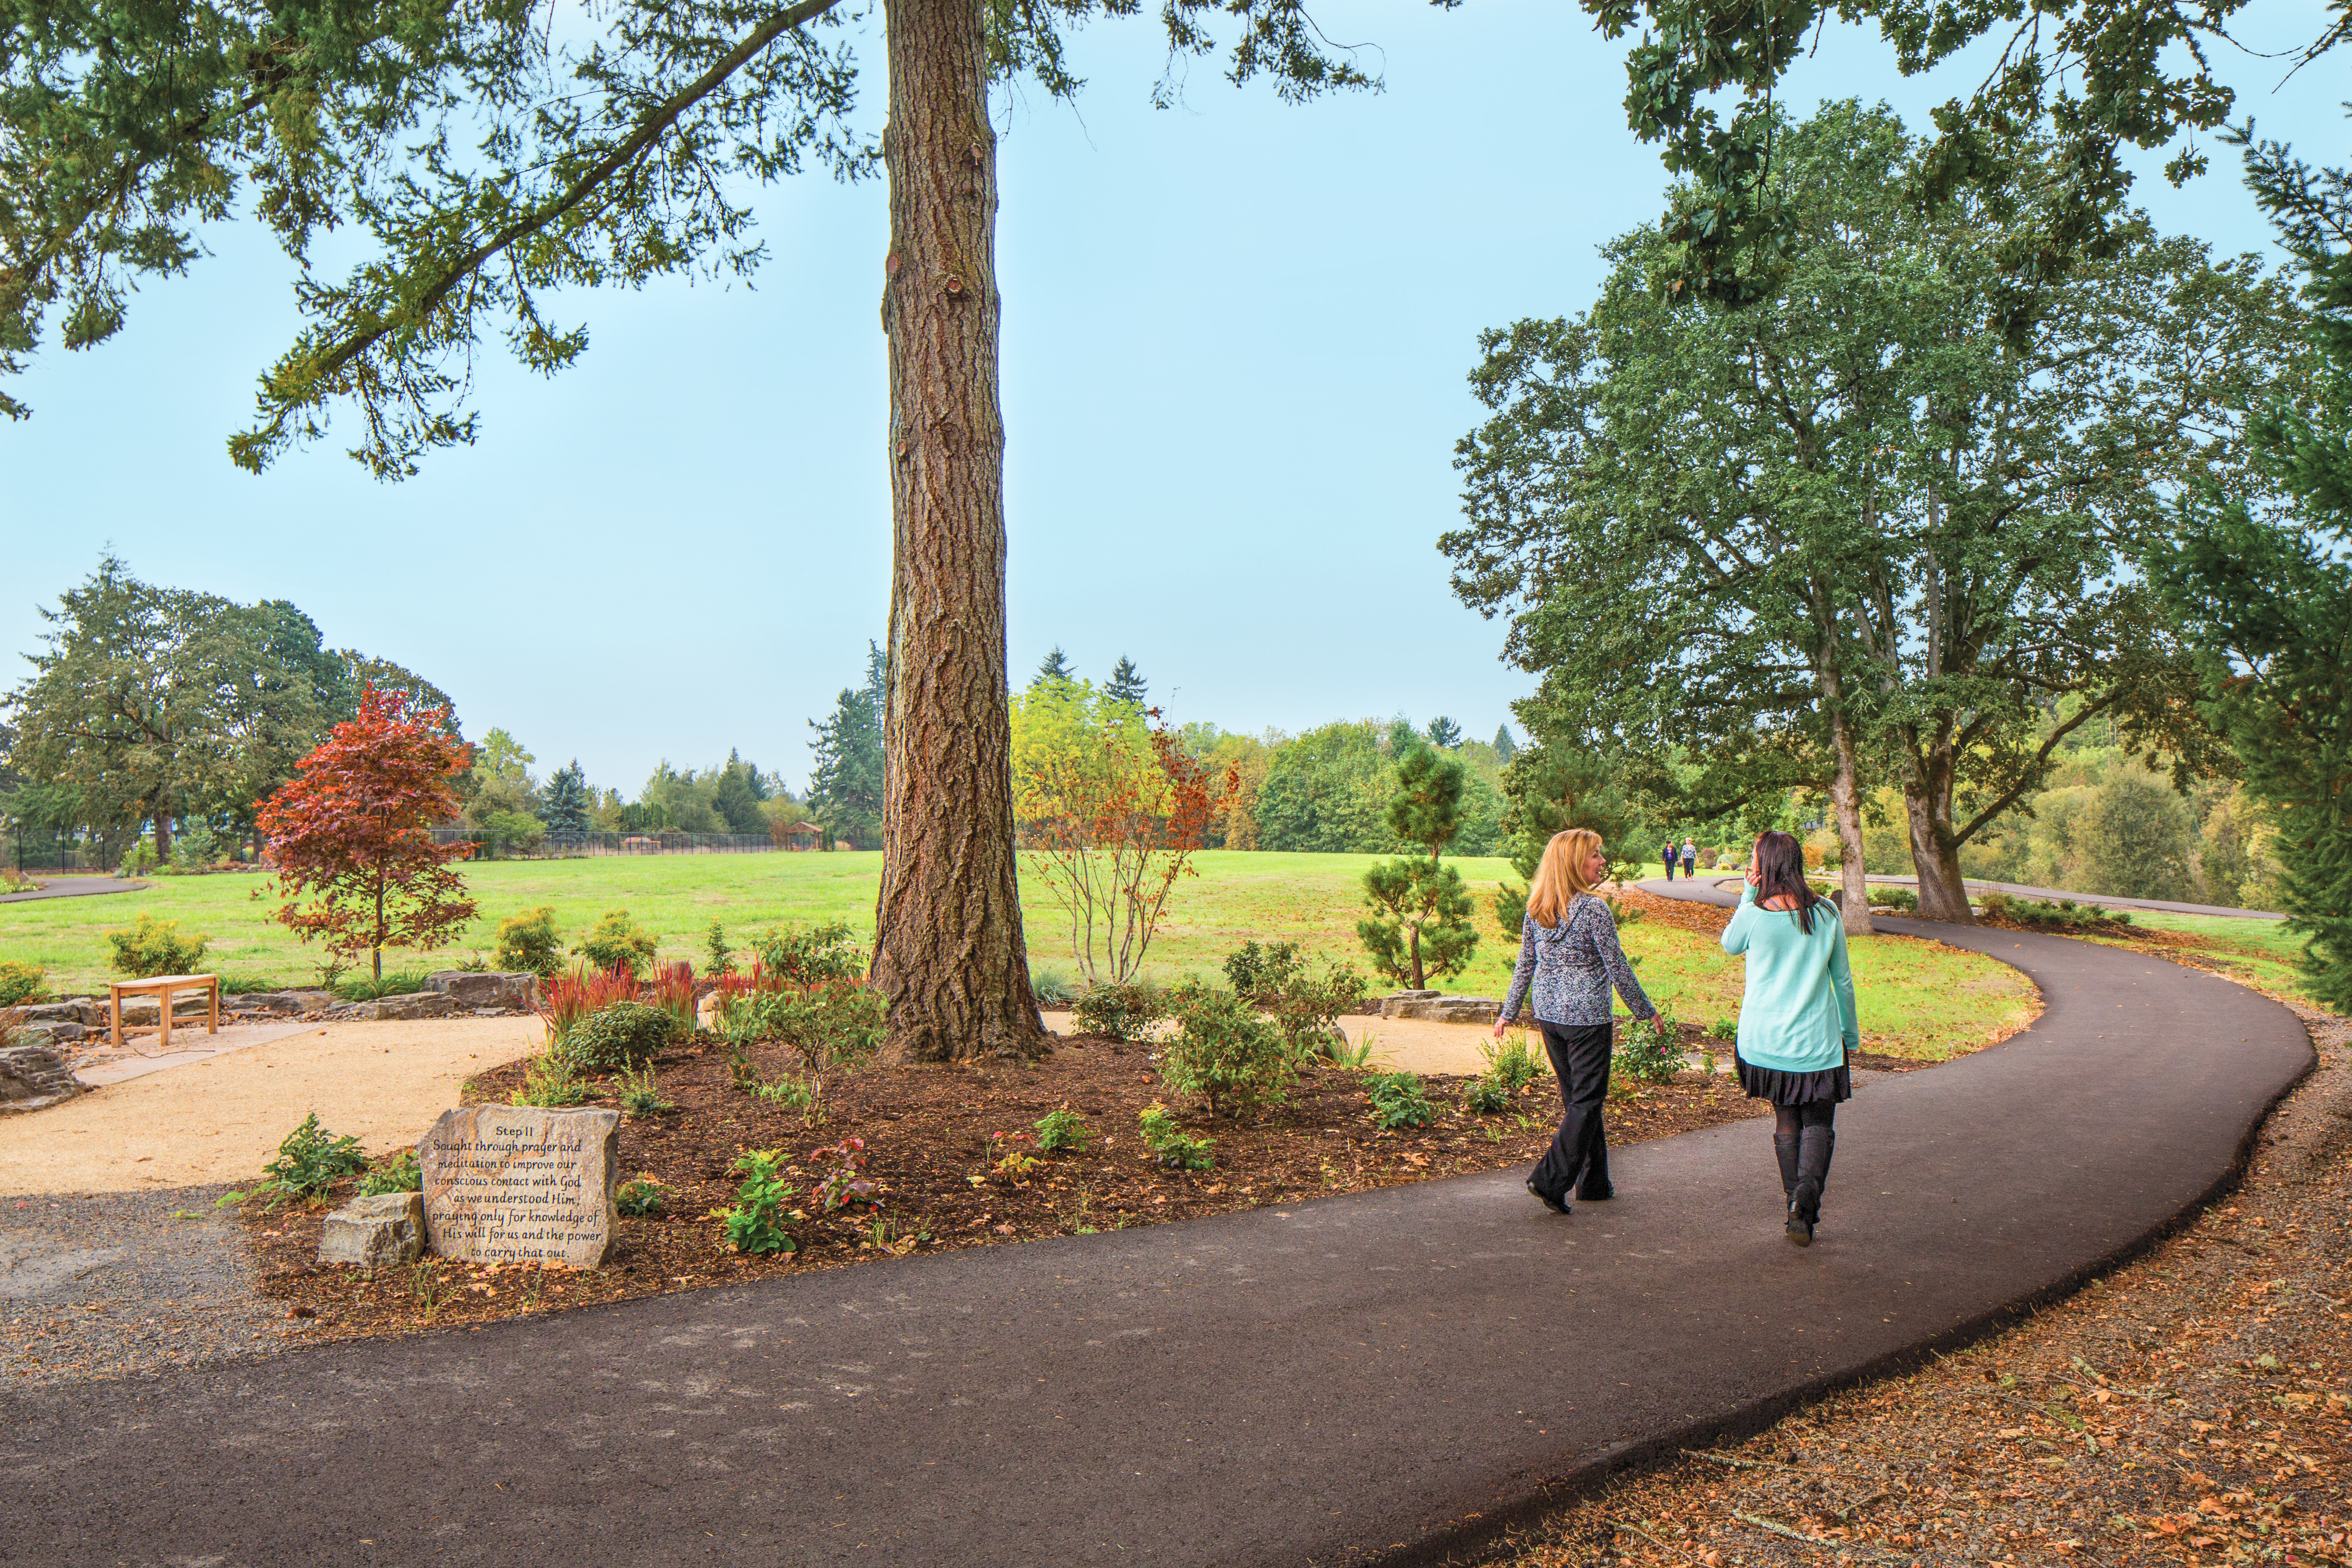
[1830,1084]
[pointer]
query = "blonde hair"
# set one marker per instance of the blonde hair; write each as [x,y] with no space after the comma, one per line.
[1560,877]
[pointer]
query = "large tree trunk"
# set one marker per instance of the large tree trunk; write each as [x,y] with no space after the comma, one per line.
[1846,806]
[1935,855]
[164,828]
[1845,786]
[948,953]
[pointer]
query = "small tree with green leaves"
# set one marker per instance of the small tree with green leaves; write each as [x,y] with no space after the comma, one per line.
[1421,924]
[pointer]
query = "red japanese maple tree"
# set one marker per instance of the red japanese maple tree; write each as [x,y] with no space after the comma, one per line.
[349,834]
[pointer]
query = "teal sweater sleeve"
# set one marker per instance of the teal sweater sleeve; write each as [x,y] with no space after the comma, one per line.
[1797,1014]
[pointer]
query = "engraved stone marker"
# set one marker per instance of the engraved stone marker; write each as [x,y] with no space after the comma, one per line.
[518,1183]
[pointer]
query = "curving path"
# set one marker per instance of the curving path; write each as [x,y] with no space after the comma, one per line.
[1369,1377]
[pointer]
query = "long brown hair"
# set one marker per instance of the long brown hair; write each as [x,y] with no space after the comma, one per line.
[1780,871]
[1560,877]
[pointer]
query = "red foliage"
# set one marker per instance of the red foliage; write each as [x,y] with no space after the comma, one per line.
[673,992]
[569,998]
[349,833]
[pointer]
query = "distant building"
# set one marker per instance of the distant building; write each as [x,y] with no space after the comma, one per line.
[804,836]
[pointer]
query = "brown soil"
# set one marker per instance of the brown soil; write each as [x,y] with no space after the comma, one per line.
[933,1151]
[2192,1407]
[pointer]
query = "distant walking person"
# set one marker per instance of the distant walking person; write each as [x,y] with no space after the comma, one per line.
[1796,1020]
[1568,948]
[1690,858]
[1670,859]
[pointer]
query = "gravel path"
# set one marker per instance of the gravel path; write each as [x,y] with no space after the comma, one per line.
[118,1284]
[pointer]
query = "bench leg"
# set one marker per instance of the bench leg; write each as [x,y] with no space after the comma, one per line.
[114,1016]
[213,1023]
[167,1020]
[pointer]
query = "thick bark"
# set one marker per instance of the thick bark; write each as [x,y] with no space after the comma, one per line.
[1935,855]
[164,830]
[1846,806]
[949,951]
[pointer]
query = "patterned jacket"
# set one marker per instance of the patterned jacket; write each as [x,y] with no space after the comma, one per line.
[1572,966]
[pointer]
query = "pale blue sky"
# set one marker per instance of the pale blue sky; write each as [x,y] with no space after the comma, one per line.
[1235,340]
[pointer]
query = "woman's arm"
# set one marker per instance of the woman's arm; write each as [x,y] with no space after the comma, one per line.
[1734,935]
[1603,938]
[1524,972]
[1841,976]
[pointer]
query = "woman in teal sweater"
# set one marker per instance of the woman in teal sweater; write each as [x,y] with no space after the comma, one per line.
[1796,1021]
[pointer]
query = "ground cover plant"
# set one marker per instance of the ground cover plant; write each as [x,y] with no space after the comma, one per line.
[952,1156]
[1916,997]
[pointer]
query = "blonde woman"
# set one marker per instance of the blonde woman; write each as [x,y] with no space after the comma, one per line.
[1568,949]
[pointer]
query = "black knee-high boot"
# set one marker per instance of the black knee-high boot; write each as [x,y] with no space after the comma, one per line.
[1784,1147]
[1813,1149]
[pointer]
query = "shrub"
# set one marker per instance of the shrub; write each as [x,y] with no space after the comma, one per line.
[640,1095]
[1512,1063]
[569,998]
[1304,1004]
[1398,1101]
[642,1196]
[2063,912]
[792,1093]
[1486,1097]
[616,941]
[155,947]
[1124,1012]
[621,1035]
[551,1081]
[1724,1029]
[1649,1050]
[833,1021]
[1170,1144]
[821,952]
[529,941]
[398,1174]
[844,1184]
[311,1160]
[1063,1131]
[673,992]
[1893,898]
[20,983]
[718,958]
[1225,1053]
[755,1225]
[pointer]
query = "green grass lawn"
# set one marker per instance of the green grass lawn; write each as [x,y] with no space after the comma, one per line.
[2263,951]
[1915,998]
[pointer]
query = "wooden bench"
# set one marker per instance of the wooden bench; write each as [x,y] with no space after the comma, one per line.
[162,987]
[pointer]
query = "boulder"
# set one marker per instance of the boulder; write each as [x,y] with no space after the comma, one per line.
[1437,1009]
[55,1031]
[385,1231]
[392,1009]
[89,1015]
[32,1075]
[279,1002]
[517,989]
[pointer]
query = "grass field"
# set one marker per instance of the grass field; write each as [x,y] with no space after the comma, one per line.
[1915,998]
[2263,951]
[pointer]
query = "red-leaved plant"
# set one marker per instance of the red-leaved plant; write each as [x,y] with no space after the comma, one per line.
[569,998]
[673,992]
[350,835]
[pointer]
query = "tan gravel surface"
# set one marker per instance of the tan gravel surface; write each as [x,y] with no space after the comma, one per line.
[220,1120]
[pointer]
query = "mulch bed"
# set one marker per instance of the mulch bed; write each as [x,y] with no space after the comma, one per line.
[2192,1407]
[933,1153]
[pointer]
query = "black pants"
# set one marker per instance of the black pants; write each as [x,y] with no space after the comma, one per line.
[1578,1156]
[1670,870]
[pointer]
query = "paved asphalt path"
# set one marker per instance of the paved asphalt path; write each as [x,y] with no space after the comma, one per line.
[75,888]
[1370,1377]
